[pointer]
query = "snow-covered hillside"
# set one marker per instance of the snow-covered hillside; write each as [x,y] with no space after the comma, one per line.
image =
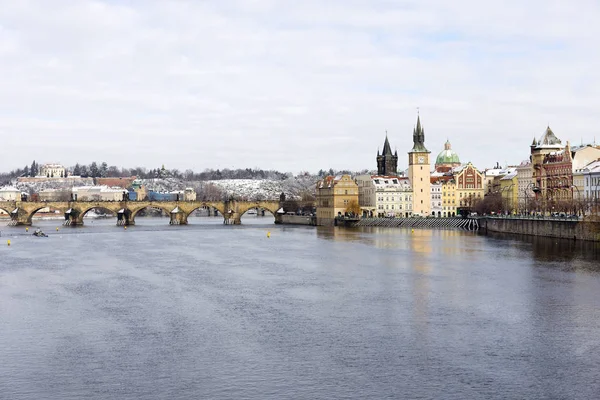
[298,187]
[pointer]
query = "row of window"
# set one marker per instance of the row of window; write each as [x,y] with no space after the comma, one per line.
[390,207]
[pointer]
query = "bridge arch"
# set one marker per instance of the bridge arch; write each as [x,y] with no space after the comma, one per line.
[217,206]
[135,210]
[87,209]
[36,209]
[272,208]
[6,210]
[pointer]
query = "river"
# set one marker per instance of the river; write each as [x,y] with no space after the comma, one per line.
[208,311]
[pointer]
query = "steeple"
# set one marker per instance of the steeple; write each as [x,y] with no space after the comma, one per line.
[419,138]
[387,149]
[387,162]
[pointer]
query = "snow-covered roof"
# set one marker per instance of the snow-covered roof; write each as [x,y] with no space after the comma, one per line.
[508,176]
[9,189]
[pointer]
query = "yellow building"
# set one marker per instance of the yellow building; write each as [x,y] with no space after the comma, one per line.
[449,198]
[336,196]
[509,192]
[419,172]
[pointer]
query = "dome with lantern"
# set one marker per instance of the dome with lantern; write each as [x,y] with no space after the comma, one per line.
[447,157]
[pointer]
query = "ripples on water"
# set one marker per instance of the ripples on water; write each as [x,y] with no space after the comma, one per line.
[213,311]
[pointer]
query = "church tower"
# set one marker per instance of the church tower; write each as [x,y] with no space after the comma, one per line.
[419,172]
[387,163]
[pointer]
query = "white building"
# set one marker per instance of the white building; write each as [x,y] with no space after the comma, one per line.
[53,171]
[10,194]
[98,193]
[54,195]
[189,194]
[525,184]
[436,197]
[384,196]
[591,186]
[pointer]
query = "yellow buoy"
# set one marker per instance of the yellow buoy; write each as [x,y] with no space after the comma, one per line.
[124,226]
[268,234]
[57,229]
[8,242]
[412,230]
[26,229]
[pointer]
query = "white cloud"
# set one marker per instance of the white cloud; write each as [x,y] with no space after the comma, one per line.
[290,85]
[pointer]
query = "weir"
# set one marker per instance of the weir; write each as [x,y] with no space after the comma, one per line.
[471,224]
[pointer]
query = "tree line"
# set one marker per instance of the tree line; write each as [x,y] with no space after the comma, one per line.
[103,170]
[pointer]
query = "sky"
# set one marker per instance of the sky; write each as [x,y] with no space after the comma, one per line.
[292,85]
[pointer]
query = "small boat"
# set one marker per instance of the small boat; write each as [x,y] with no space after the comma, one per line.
[252,212]
[38,232]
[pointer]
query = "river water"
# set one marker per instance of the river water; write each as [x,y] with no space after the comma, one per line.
[208,311]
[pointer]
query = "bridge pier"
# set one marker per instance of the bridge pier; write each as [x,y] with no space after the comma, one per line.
[178,217]
[124,217]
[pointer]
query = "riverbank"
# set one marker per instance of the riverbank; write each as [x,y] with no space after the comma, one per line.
[555,228]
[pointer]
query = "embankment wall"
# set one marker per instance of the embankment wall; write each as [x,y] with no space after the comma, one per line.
[564,229]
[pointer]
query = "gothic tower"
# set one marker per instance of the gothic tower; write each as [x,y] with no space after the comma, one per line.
[419,172]
[387,163]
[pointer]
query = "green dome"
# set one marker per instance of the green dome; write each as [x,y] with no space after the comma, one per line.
[447,156]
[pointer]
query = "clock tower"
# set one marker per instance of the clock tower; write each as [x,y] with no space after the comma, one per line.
[419,172]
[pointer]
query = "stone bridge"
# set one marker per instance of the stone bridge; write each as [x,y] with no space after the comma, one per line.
[22,212]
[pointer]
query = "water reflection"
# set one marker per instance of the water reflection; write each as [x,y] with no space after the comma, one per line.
[214,311]
[549,251]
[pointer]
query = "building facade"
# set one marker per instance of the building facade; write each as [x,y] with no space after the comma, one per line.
[525,185]
[436,198]
[336,196]
[53,171]
[509,192]
[384,196]
[469,186]
[419,172]
[10,194]
[591,191]
[98,193]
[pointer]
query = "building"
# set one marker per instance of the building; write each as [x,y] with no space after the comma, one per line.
[384,196]
[591,177]
[53,171]
[54,195]
[436,198]
[98,193]
[449,197]
[419,172]
[387,163]
[123,182]
[492,179]
[525,185]
[336,196]
[469,183]
[9,193]
[555,168]
[189,194]
[509,191]
[447,159]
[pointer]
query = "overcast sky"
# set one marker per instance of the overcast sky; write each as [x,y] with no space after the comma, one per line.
[292,85]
